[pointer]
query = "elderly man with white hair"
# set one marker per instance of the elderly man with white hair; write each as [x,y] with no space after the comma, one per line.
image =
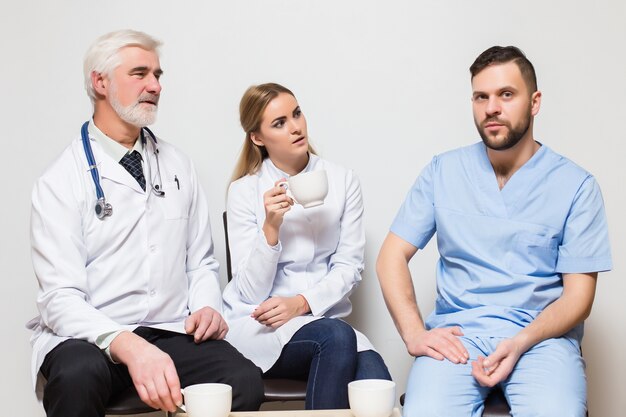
[121,244]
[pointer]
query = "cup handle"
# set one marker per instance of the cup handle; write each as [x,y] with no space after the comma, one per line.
[285,185]
[182,406]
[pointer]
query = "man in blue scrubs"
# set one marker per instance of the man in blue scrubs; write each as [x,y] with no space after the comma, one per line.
[522,235]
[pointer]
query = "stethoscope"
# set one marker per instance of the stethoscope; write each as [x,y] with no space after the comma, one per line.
[102,208]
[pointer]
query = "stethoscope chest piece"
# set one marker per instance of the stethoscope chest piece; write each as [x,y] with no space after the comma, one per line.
[103,209]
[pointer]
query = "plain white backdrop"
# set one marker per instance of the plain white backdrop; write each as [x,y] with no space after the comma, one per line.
[384,85]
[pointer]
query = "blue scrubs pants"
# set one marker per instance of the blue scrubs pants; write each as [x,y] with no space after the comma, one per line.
[548,380]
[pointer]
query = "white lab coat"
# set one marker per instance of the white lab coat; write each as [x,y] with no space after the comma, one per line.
[150,264]
[320,256]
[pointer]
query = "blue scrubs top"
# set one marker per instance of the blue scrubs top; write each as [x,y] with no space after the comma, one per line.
[502,252]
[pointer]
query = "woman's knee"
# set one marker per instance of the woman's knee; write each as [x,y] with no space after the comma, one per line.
[338,334]
[370,365]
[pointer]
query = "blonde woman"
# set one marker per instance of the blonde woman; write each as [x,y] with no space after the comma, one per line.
[294,268]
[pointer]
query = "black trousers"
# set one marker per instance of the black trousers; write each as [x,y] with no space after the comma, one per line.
[81,379]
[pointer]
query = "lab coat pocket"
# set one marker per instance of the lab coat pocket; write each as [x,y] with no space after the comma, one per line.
[174,203]
[532,254]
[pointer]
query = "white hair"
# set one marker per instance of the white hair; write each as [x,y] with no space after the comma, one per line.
[103,55]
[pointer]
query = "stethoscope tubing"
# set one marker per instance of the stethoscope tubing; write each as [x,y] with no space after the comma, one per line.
[102,208]
[91,161]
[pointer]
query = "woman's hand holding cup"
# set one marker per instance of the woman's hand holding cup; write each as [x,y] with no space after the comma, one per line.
[277,203]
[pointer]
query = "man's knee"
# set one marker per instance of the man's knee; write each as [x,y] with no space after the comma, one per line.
[441,389]
[551,410]
[76,366]
[241,374]
[247,384]
[549,380]
[427,407]
[78,379]
[553,403]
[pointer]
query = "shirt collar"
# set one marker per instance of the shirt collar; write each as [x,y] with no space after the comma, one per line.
[310,166]
[110,146]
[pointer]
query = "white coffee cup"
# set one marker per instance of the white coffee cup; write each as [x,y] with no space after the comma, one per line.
[207,400]
[308,188]
[372,397]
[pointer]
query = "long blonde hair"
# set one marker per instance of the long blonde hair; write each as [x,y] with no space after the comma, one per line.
[251,108]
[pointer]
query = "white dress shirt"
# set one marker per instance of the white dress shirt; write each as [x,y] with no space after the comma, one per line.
[319,255]
[149,264]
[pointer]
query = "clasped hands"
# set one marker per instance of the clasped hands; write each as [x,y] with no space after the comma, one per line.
[276,311]
[444,343]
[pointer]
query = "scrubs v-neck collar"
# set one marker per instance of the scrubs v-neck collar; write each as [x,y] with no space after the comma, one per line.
[503,201]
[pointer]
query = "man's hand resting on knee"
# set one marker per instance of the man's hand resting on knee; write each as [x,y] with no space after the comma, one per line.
[152,371]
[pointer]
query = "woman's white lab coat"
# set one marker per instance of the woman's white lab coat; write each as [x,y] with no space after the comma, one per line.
[320,256]
[151,263]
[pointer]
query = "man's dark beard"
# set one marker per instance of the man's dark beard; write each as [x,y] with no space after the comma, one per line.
[515,134]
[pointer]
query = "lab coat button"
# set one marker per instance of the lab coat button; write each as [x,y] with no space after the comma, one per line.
[152,293]
[152,248]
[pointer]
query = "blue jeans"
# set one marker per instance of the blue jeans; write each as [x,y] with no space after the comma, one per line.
[324,353]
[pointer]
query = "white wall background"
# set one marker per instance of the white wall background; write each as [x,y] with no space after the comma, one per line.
[385,85]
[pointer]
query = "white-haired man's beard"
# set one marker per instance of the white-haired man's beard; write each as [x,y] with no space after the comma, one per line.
[141,113]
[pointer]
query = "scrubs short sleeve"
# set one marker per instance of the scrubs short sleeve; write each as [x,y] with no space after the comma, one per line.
[585,244]
[415,221]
